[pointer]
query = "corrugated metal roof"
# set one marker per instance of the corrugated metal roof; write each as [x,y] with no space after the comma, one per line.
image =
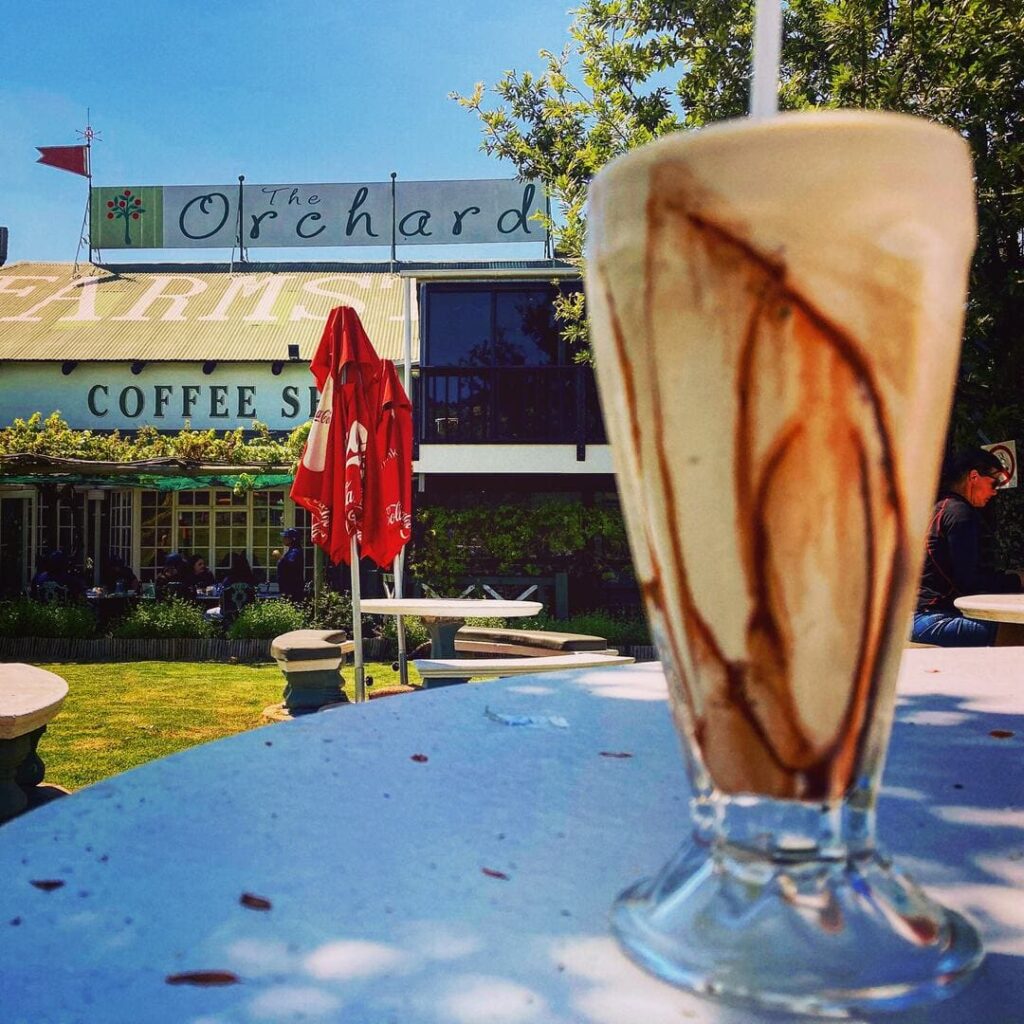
[191,312]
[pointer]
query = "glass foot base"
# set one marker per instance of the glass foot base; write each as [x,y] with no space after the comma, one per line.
[830,938]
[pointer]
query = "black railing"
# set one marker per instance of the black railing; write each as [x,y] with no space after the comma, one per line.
[509,405]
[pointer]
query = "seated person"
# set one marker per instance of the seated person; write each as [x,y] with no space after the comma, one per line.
[42,571]
[953,564]
[174,579]
[201,575]
[238,590]
[57,574]
[118,575]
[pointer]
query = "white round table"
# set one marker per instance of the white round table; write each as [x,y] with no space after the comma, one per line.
[450,858]
[993,607]
[444,616]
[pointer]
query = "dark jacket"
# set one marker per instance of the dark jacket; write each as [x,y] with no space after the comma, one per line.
[952,564]
[291,575]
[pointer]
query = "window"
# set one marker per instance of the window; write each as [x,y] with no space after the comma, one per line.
[121,525]
[212,522]
[230,529]
[193,535]
[483,325]
[156,532]
[267,523]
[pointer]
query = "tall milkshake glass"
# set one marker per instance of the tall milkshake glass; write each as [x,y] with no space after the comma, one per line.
[776,310]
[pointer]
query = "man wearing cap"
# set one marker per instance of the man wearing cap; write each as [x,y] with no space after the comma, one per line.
[291,568]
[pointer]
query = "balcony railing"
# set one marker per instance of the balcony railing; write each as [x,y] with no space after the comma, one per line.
[508,405]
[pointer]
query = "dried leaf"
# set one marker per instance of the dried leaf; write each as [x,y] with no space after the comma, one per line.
[491,873]
[203,978]
[254,902]
[1001,734]
[419,758]
[48,884]
[615,753]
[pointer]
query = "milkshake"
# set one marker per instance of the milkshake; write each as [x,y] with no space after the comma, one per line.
[776,311]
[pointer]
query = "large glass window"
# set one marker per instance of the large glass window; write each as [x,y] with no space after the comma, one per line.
[230,533]
[477,325]
[267,523]
[156,532]
[212,522]
[525,332]
[496,369]
[194,522]
[460,327]
[121,525]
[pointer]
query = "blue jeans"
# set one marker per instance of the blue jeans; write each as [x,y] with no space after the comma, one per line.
[952,630]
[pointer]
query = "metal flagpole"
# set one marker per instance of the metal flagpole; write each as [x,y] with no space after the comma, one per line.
[357,605]
[403,657]
[357,624]
[88,134]
[399,566]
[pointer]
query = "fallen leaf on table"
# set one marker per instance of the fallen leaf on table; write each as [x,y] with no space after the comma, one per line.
[209,978]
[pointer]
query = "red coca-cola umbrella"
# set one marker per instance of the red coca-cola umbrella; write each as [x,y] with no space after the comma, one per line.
[355,475]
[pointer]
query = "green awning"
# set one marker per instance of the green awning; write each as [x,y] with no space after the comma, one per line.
[247,481]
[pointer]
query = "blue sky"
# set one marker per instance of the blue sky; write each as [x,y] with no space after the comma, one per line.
[190,92]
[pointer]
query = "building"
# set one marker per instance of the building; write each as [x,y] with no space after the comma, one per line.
[500,407]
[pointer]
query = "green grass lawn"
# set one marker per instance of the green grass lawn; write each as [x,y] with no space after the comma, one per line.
[118,716]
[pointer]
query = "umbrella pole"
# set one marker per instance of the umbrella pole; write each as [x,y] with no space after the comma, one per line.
[357,625]
[403,657]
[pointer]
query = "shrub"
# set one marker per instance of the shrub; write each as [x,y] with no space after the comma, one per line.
[164,620]
[415,632]
[330,611]
[587,541]
[25,617]
[264,620]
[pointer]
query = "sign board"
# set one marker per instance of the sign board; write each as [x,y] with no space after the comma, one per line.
[1006,452]
[288,215]
[168,396]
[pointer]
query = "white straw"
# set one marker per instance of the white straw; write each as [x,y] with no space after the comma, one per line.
[764,93]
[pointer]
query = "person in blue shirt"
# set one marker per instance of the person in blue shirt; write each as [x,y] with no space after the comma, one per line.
[953,565]
[291,569]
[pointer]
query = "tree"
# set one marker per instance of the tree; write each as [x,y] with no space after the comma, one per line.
[636,69]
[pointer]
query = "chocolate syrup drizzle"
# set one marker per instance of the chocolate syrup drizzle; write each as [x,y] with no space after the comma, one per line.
[807,771]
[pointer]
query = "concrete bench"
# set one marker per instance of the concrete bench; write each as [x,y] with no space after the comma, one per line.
[541,639]
[527,643]
[29,698]
[466,668]
[310,660]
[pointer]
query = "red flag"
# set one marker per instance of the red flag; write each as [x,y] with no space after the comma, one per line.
[67,158]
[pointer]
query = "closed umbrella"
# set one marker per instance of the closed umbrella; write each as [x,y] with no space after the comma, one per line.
[355,475]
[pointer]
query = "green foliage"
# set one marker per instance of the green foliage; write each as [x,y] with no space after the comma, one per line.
[330,611]
[588,541]
[165,620]
[25,617]
[386,626]
[264,620]
[637,69]
[52,436]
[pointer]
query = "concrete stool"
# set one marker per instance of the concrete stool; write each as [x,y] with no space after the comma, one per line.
[310,660]
[29,698]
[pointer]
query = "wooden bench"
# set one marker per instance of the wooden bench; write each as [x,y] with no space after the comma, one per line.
[310,660]
[29,698]
[467,668]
